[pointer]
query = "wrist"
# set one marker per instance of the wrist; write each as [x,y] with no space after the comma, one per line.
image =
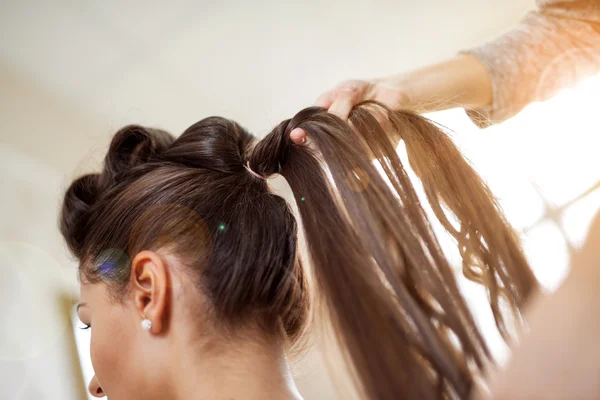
[461,81]
[397,90]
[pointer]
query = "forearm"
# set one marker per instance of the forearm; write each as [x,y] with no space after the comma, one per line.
[550,49]
[461,81]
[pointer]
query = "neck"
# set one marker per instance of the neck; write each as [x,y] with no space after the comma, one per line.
[241,370]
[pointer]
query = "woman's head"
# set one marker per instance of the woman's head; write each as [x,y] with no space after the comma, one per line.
[180,226]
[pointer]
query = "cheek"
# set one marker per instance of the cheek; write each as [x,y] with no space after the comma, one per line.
[111,352]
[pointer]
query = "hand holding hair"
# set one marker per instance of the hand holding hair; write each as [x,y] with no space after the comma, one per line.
[341,99]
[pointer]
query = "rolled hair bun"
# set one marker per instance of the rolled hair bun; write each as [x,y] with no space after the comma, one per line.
[130,146]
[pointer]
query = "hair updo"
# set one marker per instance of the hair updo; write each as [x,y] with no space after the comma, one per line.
[192,196]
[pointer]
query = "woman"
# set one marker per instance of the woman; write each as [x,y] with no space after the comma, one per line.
[554,47]
[193,288]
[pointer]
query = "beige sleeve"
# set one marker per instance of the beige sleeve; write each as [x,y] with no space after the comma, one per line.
[552,48]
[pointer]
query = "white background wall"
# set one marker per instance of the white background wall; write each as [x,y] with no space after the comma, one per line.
[73,72]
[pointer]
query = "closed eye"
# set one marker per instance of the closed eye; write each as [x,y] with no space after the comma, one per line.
[86,327]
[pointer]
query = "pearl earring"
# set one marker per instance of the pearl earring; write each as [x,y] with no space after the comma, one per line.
[147,324]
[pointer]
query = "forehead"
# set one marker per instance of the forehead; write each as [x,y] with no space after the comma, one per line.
[84,290]
[81,279]
[94,294]
[87,288]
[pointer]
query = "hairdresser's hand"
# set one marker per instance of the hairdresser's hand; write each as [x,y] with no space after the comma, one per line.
[341,99]
[460,81]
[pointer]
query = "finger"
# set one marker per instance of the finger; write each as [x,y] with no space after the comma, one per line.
[298,136]
[325,100]
[344,102]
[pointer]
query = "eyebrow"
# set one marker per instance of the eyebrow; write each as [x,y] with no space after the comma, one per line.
[81,305]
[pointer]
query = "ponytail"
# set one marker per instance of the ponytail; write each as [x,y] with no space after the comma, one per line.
[393,299]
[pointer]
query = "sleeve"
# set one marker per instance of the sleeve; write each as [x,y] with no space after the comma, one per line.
[554,47]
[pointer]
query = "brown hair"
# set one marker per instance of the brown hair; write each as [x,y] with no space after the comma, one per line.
[394,301]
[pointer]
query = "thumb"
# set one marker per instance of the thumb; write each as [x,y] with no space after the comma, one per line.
[298,136]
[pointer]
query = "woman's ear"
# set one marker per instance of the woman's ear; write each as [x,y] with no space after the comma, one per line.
[149,281]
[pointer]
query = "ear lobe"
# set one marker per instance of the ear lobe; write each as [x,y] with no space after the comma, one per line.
[149,281]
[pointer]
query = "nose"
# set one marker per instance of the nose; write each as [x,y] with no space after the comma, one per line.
[95,388]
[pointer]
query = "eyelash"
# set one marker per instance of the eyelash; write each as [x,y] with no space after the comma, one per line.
[86,327]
